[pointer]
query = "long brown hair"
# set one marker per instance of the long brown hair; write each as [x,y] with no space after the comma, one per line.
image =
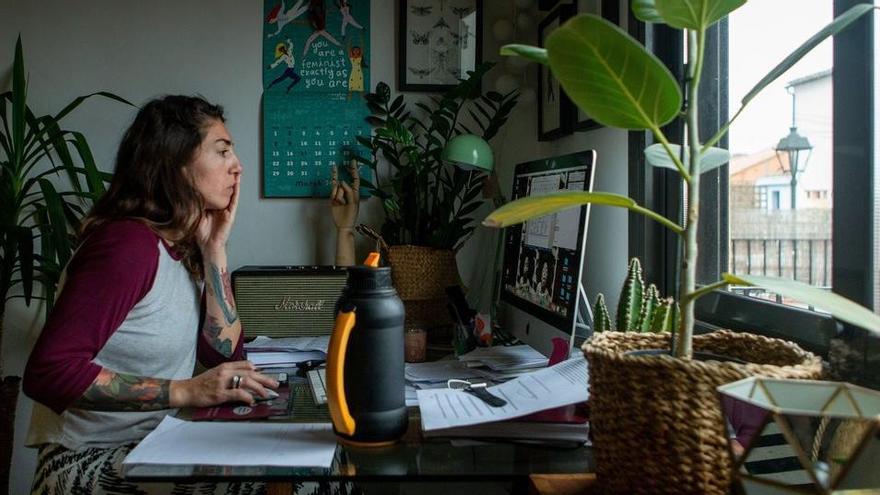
[149,182]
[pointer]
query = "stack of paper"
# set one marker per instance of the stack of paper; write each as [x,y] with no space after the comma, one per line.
[447,412]
[179,442]
[505,358]
[283,352]
[435,374]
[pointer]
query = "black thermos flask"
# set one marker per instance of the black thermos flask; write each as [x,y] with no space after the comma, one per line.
[365,374]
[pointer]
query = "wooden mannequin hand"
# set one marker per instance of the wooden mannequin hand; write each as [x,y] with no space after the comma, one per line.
[345,199]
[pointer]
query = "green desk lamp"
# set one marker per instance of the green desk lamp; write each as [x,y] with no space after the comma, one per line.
[469,152]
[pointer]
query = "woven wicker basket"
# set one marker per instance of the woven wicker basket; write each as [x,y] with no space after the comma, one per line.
[421,272]
[656,422]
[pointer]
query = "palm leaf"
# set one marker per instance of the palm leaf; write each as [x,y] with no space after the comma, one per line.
[838,306]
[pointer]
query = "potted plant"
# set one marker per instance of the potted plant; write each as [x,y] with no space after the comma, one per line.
[48,180]
[669,399]
[428,203]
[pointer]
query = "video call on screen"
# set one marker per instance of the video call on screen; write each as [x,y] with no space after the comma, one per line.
[545,249]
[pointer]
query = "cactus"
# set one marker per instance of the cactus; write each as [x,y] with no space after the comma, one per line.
[649,306]
[630,304]
[666,316]
[601,317]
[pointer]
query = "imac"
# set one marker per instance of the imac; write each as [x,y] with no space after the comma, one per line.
[540,294]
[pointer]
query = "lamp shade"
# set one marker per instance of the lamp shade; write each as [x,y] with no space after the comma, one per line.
[469,151]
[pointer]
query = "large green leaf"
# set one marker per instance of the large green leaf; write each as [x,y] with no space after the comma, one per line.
[610,76]
[713,158]
[838,24]
[79,99]
[839,307]
[527,208]
[25,243]
[19,97]
[695,14]
[93,175]
[646,10]
[57,221]
[533,53]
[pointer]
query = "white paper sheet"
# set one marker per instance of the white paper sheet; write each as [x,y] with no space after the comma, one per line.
[282,358]
[438,371]
[315,343]
[559,385]
[179,442]
[505,358]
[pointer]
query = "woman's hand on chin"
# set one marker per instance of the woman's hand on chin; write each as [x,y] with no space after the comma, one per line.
[216,225]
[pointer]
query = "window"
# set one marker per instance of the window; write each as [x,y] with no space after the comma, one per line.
[766,219]
[790,237]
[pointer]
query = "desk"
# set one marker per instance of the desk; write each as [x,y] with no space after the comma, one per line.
[413,459]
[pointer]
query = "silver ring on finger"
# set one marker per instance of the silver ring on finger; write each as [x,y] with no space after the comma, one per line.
[236,381]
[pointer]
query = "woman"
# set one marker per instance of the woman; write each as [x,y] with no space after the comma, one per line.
[284,53]
[345,10]
[118,351]
[318,21]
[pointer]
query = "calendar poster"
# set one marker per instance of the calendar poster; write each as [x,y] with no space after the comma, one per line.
[315,71]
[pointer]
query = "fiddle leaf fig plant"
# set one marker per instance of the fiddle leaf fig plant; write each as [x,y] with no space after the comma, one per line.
[48,180]
[618,83]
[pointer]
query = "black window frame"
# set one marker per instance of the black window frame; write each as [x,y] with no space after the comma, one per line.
[659,189]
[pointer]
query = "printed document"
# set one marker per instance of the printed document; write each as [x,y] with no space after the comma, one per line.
[180,442]
[559,385]
[263,343]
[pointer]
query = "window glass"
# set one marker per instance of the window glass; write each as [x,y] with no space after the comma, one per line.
[780,174]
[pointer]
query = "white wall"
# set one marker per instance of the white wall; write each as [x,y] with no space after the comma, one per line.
[142,49]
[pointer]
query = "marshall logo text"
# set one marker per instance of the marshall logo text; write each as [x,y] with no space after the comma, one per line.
[290,304]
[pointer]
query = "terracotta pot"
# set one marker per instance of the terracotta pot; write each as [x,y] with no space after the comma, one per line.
[656,421]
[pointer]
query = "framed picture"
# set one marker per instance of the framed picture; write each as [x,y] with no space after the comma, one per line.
[610,10]
[554,108]
[439,41]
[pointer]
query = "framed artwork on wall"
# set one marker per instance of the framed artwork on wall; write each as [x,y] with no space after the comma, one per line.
[554,107]
[439,41]
[610,10]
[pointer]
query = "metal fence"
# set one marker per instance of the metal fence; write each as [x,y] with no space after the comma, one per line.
[806,260]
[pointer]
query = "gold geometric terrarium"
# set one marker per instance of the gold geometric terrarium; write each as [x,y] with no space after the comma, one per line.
[803,436]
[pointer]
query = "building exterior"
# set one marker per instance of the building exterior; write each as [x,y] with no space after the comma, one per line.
[766,235]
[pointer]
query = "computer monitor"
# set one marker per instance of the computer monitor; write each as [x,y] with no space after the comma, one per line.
[544,257]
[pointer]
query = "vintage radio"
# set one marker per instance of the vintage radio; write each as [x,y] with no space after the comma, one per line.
[287,301]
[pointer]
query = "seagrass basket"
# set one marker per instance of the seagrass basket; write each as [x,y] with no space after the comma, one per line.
[656,421]
[420,272]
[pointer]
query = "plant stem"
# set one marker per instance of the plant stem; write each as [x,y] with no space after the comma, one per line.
[658,134]
[693,296]
[684,337]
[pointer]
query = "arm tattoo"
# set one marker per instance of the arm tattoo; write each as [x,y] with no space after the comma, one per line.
[120,392]
[212,333]
[221,286]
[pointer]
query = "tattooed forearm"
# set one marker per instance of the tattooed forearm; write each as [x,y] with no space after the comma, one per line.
[120,392]
[212,333]
[221,286]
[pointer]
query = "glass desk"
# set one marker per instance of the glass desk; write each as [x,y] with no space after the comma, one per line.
[413,459]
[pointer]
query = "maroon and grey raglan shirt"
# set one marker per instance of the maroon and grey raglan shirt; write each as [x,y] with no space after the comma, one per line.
[128,304]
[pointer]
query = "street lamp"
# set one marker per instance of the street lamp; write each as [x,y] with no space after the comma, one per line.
[797,148]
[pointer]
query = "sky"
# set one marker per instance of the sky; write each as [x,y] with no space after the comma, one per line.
[762,33]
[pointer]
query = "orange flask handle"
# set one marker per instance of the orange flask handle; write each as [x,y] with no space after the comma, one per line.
[339,412]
